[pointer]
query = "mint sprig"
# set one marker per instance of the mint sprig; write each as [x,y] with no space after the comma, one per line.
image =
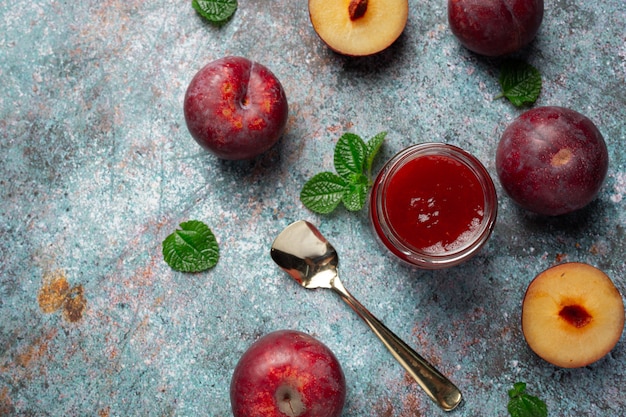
[192,248]
[520,82]
[525,405]
[353,159]
[215,11]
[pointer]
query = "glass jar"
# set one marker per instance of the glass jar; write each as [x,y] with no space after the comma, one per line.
[433,205]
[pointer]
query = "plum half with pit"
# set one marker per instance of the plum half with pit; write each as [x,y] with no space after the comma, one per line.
[495,27]
[552,160]
[358,27]
[572,315]
[235,108]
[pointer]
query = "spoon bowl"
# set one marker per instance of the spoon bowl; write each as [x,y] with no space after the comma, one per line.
[302,252]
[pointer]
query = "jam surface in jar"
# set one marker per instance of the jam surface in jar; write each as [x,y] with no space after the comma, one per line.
[434,204]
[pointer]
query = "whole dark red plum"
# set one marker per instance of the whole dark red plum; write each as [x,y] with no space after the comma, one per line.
[288,373]
[552,160]
[235,108]
[495,27]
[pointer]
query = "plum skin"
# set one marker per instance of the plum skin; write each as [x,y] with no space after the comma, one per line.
[552,160]
[495,27]
[288,373]
[235,108]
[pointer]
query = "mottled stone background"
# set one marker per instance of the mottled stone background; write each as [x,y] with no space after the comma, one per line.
[98,168]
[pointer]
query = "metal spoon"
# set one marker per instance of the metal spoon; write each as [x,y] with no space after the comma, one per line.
[302,252]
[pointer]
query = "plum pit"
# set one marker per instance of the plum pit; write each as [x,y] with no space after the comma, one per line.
[357,9]
[575,315]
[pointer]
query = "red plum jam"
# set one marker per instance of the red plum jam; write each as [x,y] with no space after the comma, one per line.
[433,205]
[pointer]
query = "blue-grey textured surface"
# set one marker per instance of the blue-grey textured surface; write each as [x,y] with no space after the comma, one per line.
[98,168]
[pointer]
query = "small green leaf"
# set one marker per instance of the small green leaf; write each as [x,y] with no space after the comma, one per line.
[350,154]
[525,405]
[323,192]
[356,194]
[215,11]
[373,146]
[193,248]
[520,82]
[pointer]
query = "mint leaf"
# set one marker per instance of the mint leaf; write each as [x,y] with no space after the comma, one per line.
[193,248]
[353,160]
[323,192]
[373,146]
[520,82]
[350,154]
[215,11]
[355,195]
[525,405]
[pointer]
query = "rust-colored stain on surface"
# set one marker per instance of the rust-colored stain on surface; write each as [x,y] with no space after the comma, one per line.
[6,405]
[383,408]
[55,293]
[105,412]
[75,304]
[560,257]
[29,361]
[32,352]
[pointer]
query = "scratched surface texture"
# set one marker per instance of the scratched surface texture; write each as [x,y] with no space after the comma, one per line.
[97,168]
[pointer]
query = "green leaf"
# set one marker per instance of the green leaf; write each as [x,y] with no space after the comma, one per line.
[215,11]
[349,158]
[355,195]
[373,146]
[520,82]
[525,405]
[193,248]
[323,192]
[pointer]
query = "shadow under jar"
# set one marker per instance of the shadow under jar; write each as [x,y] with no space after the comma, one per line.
[433,205]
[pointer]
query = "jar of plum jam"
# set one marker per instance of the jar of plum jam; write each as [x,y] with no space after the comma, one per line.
[433,205]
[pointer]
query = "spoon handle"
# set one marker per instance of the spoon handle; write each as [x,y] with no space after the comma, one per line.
[439,388]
